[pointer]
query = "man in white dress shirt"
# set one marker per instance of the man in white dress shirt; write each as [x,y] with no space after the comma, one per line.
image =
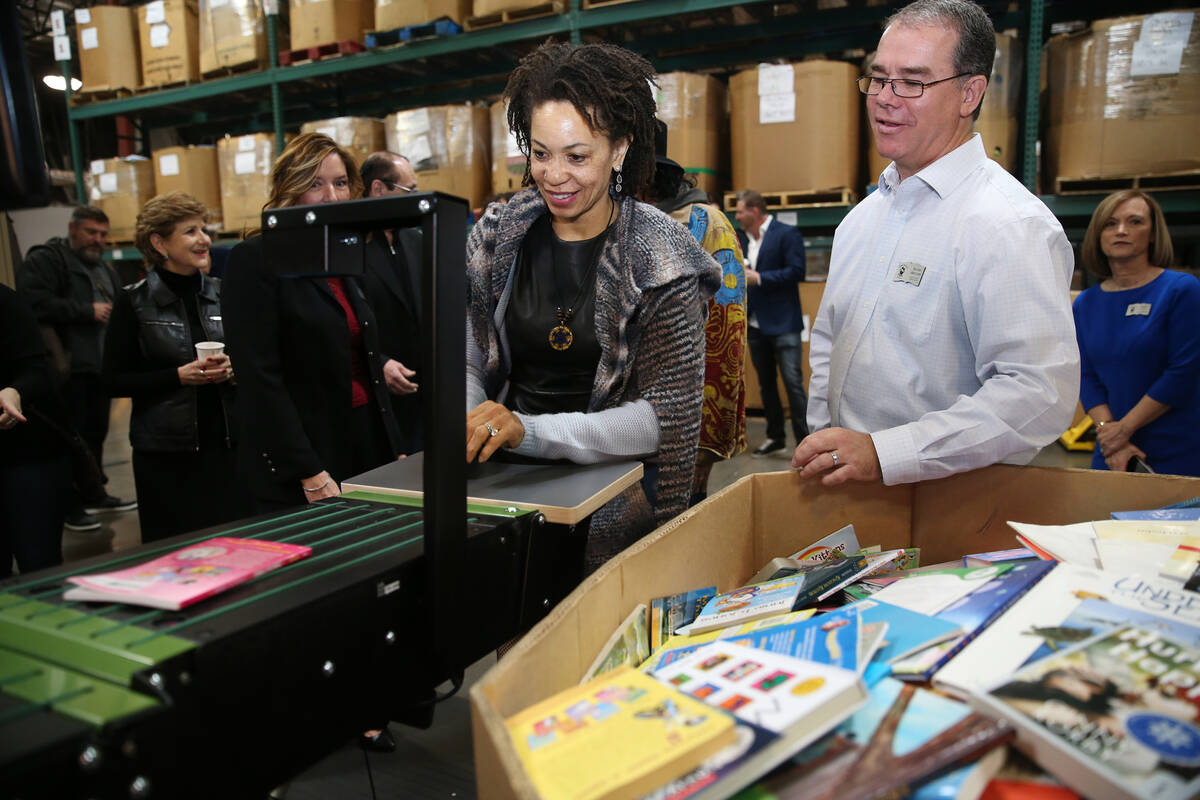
[944,341]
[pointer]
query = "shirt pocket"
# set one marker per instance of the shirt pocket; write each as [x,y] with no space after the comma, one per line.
[916,312]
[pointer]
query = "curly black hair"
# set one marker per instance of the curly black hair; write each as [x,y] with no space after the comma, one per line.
[608,85]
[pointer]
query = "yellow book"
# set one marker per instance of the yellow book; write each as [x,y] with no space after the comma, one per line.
[620,735]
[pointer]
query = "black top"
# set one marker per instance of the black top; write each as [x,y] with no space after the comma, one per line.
[553,274]
[24,366]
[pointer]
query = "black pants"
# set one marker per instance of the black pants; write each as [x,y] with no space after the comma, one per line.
[32,513]
[782,351]
[88,408]
[185,492]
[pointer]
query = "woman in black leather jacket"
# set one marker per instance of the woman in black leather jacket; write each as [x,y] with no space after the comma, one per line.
[181,426]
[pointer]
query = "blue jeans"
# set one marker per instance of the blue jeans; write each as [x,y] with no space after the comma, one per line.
[783,352]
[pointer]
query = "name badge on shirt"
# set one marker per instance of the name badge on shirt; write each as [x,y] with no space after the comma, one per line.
[909,272]
[1137,310]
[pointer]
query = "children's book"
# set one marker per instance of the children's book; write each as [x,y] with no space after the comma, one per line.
[1139,546]
[1164,514]
[906,742]
[1039,616]
[1007,789]
[973,614]
[994,557]
[797,701]
[1184,563]
[1116,716]
[907,631]
[839,544]
[930,592]
[777,596]
[668,614]
[1070,544]
[692,642]
[186,576]
[629,644]
[619,735]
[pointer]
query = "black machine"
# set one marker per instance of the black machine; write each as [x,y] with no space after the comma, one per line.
[397,597]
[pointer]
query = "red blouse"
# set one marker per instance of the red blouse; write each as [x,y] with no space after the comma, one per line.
[359,375]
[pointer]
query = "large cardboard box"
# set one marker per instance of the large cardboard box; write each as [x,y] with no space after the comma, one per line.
[728,537]
[233,35]
[120,187]
[107,37]
[360,135]
[696,110]
[391,14]
[318,22]
[482,8]
[795,127]
[245,165]
[194,170]
[1123,99]
[508,162]
[169,34]
[448,147]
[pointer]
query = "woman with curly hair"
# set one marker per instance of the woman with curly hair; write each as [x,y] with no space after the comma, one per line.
[313,401]
[586,308]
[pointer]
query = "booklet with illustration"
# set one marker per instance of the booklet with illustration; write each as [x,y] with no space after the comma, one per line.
[186,576]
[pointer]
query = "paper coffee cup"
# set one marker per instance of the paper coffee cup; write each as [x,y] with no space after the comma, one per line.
[206,349]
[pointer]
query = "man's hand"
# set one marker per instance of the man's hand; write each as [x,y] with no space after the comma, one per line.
[491,426]
[398,377]
[839,455]
[752,277]
[101,311]
[10,408]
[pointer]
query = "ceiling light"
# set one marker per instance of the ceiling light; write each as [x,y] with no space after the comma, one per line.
[58,83]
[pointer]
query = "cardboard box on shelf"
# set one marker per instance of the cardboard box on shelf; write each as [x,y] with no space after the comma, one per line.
[119,188]
[233,35]
[318,22]
[727,538]
[391,14]
[1123,98]
[448,148]
[192,169]
[245,165]
[480,8]
[360,135]
[169,35]
[795,127]
[107,37]
[508,162]
[695,108]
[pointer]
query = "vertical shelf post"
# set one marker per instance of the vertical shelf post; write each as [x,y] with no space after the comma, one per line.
[272,66]
[1033,80]
[573,22]
[76,154]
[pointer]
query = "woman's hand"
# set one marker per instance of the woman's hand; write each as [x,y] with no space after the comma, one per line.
[1119,460]
[10,408]
[491,426]
[319,486]
[213,369]
[1112,436]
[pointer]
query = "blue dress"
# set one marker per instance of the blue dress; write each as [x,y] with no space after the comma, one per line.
[1146,341]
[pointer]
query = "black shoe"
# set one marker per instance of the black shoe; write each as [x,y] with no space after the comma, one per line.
[110,503]
[81,521]
[382,742]
[768,447]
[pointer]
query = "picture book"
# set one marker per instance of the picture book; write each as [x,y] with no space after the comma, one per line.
[629,644]
[1140,546]
[1039,614]
[1006,789]
[1166,514]
[711,778]
[973,614]
[907,631]
[797,700]
[906,742]
[1116,716]
[668,614]
[1070,544]
[695,640]
[1184,563]
[186,576]
[621,734]
[930,592]
[839,544]
[774,597]
[994,557]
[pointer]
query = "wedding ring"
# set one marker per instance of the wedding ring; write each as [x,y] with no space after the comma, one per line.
[835,458]
[491,431]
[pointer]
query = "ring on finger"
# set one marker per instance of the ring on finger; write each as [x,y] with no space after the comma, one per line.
[834,455]
[491,431]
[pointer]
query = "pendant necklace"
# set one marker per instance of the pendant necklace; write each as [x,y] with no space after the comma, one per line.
[561,335]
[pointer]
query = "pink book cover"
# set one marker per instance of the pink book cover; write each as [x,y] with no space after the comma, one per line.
[187,576]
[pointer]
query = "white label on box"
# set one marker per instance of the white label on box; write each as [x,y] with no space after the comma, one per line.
[217,3]
[246,143]
[270,6]
[419,150]
[62,48]
[118,254]
[1155,59]
[244,163]
[787,217]
[160,35]
[83,16]
[331,132]
[89,38]
[776,108]
[168,164]
[98,166]
[511,148]
[155,12]
[1174,27]
[58,23]
[416,121]
[775,78]
[108,182]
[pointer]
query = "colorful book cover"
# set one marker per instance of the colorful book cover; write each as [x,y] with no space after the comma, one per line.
[839,544]
[669,614]
[186,576]
[1164,514]
[620,735]
[629,644]
[907,631]
[695,640]
[933,591]
[1116,716]
[1142,547]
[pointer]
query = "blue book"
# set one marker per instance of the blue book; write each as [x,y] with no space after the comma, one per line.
[674,611]
[907,631]
[1161,514]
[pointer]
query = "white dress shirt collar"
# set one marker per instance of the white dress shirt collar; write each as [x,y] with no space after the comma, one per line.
[945,174]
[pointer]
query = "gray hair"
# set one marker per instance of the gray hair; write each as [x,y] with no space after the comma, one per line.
[89,213]
[976,48]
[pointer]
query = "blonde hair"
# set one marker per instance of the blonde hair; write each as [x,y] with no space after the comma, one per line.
[294,171]
[160,215]
[1162,253]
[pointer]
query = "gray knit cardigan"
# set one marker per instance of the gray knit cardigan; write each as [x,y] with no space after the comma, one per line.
[653,282]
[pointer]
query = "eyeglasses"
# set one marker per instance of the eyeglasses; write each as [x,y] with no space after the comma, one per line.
[903,87]
[394,186]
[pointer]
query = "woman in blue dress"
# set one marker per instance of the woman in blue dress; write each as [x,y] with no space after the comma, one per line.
[1139,343]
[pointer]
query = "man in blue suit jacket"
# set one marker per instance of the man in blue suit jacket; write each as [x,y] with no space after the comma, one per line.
[774,254]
